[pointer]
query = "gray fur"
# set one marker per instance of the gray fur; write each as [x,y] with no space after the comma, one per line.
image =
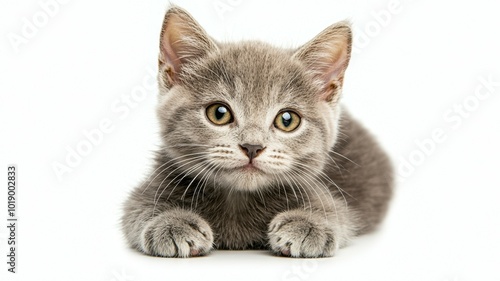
[316,187]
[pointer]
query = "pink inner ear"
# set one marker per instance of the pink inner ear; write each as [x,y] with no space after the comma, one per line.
[329,92]
[332,74]
[335,68]
[171,59]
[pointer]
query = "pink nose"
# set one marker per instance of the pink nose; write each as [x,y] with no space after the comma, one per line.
[251,150]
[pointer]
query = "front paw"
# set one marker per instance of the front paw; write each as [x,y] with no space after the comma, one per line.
[301,234]
[177,233]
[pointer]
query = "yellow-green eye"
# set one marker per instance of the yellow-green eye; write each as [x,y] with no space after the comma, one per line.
[287,121]
[219,114]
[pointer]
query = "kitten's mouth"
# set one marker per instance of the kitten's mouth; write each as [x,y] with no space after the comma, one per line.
[249,168]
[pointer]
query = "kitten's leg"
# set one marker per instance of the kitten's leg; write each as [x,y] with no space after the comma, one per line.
[171,233]
[311,233]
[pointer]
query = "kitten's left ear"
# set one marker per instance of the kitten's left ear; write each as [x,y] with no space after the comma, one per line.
[327,56]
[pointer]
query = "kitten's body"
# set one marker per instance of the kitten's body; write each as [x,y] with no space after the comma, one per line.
[308,192]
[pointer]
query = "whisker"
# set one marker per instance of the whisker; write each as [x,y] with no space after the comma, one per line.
[336,153]
[335,163]
[189,161]
[299,187]
[313,189]
[185,173]
[151,174]
[189,145]
[327,178]
[191,182]
[209,173]
[286,197]
[294,193]
[201,184]
[323,187]
[262,198]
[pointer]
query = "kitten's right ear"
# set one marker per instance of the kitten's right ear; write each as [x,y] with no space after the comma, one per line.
[182,40]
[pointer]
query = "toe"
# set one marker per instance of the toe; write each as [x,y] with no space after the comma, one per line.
[285,252]
[194,252]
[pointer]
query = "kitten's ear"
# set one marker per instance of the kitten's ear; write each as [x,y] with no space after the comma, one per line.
[327,56]
[182,40]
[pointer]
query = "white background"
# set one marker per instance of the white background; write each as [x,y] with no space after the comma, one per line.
[407,75]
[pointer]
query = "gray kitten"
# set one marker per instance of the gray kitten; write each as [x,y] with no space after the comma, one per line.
[257,153]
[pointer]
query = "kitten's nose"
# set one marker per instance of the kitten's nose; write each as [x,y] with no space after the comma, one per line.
[251,150]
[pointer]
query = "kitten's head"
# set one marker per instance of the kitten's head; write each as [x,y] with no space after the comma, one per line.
[248,115]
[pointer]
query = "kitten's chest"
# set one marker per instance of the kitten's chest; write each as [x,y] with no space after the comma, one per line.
[241,221]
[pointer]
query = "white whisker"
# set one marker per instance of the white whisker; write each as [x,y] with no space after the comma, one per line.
[174,159]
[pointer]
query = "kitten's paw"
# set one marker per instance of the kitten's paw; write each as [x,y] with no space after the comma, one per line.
[301,234]
[177,233]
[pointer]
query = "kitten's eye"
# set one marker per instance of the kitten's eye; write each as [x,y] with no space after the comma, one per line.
[287,121]
[219,114]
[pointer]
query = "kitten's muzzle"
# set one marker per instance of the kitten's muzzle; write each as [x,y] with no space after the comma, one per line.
[252,150]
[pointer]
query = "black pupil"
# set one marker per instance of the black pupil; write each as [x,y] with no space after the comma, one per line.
[220,112]
[286,118]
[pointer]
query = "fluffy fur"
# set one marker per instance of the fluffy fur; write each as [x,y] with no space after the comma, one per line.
[306,194]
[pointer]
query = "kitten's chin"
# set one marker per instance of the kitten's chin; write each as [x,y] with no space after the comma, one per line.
[246,178]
